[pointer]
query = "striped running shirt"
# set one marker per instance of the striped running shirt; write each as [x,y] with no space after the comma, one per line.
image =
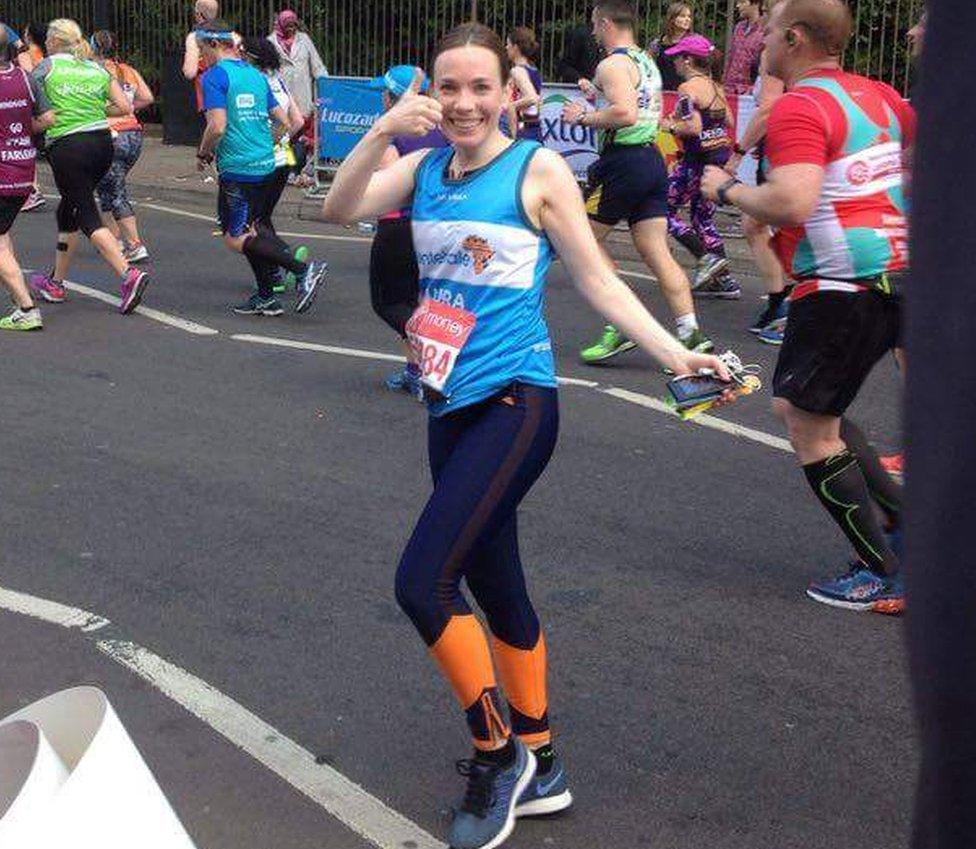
[855,129]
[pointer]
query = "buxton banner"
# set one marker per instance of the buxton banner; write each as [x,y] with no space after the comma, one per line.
[347,109]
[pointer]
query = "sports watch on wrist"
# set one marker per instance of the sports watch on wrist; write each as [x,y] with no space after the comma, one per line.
[724,188]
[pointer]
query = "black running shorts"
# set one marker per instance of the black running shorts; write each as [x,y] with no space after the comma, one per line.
[627,182]
[832,341]
[9,207]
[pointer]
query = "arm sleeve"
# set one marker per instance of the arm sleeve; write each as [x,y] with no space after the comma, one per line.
[797,132]
[41,103]
[272,100]
[215,84]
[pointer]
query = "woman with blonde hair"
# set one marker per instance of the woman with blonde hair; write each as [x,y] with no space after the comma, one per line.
[677,24]
[79,147]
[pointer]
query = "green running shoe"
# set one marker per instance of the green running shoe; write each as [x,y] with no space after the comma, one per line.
[301,254]
[698,342]
[22,320]
[611,343]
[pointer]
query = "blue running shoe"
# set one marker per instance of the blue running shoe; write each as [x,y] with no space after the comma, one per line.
[487,815]
[546,794]
[772,335]
[256,305]
[860,589]
[771,317]
[406,380]
[307,285]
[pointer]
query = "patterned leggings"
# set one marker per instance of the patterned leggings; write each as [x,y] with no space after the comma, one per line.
[684,187]
[112,193]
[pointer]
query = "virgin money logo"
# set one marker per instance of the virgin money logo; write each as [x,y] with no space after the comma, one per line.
[858,173]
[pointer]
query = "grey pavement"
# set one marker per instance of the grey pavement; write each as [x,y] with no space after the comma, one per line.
[240,510]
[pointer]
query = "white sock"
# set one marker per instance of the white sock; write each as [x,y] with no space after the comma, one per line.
[686,324]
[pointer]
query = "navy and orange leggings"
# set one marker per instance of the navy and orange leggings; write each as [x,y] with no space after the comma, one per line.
[484,459]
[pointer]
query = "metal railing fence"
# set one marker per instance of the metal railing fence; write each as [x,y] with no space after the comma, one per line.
[362,37]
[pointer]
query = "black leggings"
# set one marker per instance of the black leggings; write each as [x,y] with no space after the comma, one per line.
[264,270]
[79,163]
[394,279]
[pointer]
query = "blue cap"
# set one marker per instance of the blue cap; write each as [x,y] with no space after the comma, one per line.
[397,80]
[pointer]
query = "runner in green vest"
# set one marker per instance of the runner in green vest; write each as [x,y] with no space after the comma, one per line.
[79,149]
[629,180]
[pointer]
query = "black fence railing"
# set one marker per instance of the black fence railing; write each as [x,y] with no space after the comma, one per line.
[361,37]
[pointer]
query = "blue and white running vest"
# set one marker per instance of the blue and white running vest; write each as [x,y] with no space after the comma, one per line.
[482,268]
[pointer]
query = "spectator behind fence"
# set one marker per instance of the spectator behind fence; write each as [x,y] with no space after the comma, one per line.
[301,66]
[204,11]
[677,25]
[581,55]
[742,63]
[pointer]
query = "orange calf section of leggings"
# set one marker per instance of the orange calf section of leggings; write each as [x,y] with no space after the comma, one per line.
[523,676]
[463,655]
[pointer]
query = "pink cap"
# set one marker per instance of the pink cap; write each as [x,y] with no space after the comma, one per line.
[692,45]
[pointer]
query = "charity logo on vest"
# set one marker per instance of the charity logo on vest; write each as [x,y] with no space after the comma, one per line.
[481,252]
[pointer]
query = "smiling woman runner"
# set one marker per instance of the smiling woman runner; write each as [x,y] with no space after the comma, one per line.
[489,215]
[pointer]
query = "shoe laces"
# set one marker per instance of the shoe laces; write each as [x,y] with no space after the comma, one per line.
[737,369]
[478,794]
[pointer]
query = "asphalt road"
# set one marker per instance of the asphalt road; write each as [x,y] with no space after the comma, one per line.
[239,509]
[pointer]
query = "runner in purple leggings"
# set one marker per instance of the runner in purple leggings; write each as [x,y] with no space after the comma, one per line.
[702,119]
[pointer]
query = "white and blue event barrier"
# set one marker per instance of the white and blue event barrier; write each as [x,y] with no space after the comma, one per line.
[346,109]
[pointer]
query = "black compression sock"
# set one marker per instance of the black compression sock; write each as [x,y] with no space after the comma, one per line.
[263,247]
[776,298]
[691,243]
[544,757]
[881,485]
[503,757]
[839,484]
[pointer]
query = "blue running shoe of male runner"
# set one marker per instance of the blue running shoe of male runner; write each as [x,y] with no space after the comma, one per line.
[546,794]
[772,335]
[771,318]
[487,815]
[861,589]
[307,285]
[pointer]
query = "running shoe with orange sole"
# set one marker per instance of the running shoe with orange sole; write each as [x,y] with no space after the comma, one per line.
[861,590]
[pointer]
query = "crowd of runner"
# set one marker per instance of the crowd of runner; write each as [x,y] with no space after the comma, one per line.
[472,211]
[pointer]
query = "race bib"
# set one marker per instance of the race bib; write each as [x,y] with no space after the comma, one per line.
[437,333]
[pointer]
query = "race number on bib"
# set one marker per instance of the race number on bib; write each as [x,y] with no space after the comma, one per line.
[437,333]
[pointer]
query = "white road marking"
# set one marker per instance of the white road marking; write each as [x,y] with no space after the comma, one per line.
[148,312]
[639,274]
[704,419]
[637,398]
[212,219]
[50,611]
[326,236]
[313,346]
[575,381]
[343,799]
